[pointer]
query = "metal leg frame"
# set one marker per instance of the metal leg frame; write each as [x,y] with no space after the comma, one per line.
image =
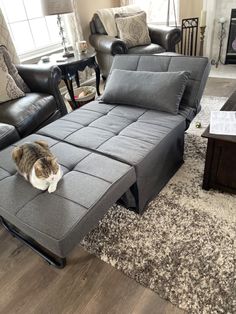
[49,257]
[69,85]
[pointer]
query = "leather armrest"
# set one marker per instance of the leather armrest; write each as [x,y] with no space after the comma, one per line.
[40,78]
[43,79]
[8,135]
[165,36]
[108,44]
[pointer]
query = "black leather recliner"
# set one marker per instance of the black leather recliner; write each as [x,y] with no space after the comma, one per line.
[163,38]
[42,105]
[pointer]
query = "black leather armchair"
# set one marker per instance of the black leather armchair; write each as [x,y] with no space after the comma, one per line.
[42,105]
[163,38]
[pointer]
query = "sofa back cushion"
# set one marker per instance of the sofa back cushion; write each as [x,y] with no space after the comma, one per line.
[161,91]
[198,67]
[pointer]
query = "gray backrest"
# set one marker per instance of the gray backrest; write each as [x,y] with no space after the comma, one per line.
[198,67]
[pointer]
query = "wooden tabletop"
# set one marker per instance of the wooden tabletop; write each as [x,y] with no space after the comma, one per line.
[78,57]
[230,105]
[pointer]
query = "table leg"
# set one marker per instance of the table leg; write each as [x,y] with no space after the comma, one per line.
[77,79]
[96,68]
[69,85]
[208,164]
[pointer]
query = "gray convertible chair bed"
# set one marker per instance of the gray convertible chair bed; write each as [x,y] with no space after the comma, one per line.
[108,152]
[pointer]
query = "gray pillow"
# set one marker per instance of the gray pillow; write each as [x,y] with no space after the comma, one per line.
[161,91]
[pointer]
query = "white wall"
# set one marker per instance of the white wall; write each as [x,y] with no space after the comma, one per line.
[215,10]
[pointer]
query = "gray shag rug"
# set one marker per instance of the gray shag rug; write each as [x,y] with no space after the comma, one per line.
[183,246]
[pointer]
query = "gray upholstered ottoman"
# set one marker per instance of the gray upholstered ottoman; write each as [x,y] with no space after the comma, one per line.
[54,223]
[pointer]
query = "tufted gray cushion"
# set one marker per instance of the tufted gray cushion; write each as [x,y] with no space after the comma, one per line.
[160,91]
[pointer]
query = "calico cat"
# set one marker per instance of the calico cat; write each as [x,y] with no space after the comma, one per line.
[37,165]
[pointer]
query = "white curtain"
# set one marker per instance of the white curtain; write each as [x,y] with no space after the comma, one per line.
[73,25]
[157,10]
[75,34]
[127,2]
[6,40]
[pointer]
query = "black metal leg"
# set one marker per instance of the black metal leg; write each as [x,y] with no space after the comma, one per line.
[96,68]
[69,85]
[77,79]
[49,257]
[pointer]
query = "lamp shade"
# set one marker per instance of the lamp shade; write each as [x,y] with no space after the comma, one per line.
[53,7]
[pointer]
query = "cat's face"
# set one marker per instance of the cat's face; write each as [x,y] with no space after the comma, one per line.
[46,168]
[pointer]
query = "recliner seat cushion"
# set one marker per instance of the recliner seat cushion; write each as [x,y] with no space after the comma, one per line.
[27,113]
[146,49]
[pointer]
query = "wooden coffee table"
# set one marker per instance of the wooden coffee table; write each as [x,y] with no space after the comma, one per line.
[220,166]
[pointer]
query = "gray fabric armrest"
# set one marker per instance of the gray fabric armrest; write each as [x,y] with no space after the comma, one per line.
[108,44]
[165,36]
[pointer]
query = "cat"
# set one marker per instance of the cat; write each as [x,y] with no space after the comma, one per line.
[37,165]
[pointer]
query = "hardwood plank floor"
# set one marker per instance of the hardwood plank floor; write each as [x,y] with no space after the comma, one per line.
[87,285]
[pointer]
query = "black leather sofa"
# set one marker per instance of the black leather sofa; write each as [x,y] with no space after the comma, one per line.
[163,38]
[44,104]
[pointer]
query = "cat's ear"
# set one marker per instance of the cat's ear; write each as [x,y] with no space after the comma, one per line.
[42,144]
[52,159]
[38,168]
[17,154]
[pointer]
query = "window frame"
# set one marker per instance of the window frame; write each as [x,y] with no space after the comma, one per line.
[36,52]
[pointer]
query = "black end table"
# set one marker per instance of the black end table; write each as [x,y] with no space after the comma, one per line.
[71,66]
[220,166]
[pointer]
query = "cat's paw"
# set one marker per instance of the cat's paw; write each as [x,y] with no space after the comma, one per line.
[52,188]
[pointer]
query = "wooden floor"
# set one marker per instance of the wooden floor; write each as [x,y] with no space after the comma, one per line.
[86,285]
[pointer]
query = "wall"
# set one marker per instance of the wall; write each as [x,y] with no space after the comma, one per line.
[223,9]
[88,8]
[217,9]
[190,8]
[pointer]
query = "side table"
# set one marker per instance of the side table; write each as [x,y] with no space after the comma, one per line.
[71,66]
[220,165]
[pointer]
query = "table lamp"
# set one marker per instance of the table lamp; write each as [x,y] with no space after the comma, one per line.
[58,7]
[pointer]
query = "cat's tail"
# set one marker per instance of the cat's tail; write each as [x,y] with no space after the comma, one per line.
[17,154]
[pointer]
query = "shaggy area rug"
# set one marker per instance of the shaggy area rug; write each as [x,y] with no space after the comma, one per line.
[183,246]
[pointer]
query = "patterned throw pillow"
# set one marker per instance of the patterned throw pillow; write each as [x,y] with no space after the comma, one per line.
[13,70]
[133,30]
[8,88]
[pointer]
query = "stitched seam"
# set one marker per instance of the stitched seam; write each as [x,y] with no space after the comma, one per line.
[92,175]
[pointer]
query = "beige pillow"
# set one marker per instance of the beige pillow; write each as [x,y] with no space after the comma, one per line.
[13,70]
[8,87]
[133,30]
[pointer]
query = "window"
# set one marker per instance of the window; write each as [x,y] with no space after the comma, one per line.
[157,10]
[30,30]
